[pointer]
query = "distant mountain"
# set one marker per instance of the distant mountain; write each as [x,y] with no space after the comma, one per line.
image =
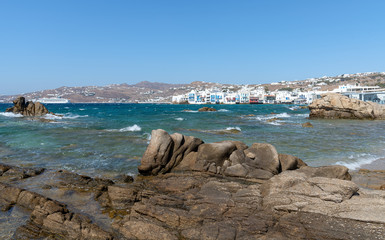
[157,85]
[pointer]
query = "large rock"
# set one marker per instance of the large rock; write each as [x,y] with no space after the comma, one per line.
[157,154]
[171,153]
[28,108]
[263,156]
[334,106]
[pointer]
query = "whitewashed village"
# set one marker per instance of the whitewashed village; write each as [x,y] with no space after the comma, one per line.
[287,95]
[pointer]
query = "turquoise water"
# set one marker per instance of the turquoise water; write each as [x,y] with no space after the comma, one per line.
[109,139]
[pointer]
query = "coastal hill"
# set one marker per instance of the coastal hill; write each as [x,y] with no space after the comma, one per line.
[162,92]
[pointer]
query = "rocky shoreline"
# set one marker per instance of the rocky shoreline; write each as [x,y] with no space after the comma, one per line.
[193,190]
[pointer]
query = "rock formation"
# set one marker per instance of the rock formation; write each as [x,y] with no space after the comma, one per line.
[176,152]
[197,190]
[28,108]
[207,109]
[333,106]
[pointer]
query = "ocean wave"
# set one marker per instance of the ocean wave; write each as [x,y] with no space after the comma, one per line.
[357,162]
[65,116]
[179,119]
[82,109]
[9,114]
[133,128]
[190,111]
[223,110]
[233,128]
[302,115]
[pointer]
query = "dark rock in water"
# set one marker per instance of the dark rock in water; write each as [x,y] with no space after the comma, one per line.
[336,106]
[307,124]
[28,108]
[207,109]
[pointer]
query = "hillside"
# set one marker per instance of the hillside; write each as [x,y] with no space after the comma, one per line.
[163,92]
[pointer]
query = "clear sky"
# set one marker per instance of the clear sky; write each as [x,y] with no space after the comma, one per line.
[48,44]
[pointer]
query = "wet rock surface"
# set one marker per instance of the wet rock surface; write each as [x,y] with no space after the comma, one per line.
[198,190]
[334,106]
[28,108]
[207,109]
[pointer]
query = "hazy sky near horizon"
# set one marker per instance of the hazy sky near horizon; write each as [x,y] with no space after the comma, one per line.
[48,44]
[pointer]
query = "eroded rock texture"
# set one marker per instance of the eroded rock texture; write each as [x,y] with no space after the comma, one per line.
[27,108]
[333,106]
[193,190]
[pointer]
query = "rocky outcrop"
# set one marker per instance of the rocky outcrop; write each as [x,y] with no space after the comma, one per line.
[335,106]
[28,108]
[207,109]
[196,190]
[176,152]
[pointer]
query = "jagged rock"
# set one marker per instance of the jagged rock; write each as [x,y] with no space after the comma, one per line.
[207,109]
[49,217]
[334,105]
[28,108]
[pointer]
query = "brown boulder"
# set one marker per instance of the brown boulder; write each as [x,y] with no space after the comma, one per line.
[215,153]
[334,106]
[263,156]
[289,162]
[157,153]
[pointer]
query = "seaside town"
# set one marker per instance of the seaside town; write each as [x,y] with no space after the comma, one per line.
[368,86]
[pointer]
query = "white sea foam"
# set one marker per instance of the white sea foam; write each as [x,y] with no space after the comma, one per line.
[281,115]
[81,109]
[190,111]
[179,119]
[233,128]
[274,123]
[357,162]
[9,114]
[302,115]
[223,110]
[294,108]
[133,128]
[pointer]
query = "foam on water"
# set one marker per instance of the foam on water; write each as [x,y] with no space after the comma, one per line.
[232,128]
[223,110]
[356,162]
[133,128]
[9,114]
[179,119]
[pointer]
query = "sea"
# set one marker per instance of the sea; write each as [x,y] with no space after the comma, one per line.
[106,140]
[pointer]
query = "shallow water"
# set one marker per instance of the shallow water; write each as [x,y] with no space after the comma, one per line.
[109,139]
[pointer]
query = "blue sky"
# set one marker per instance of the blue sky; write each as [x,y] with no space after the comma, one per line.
[48,44]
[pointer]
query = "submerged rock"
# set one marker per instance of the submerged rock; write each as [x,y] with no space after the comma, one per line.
[307,125]
[335,106]
[28,108]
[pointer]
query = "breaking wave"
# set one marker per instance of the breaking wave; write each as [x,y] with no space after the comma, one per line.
[133,128]
[9,114]
[362,159]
